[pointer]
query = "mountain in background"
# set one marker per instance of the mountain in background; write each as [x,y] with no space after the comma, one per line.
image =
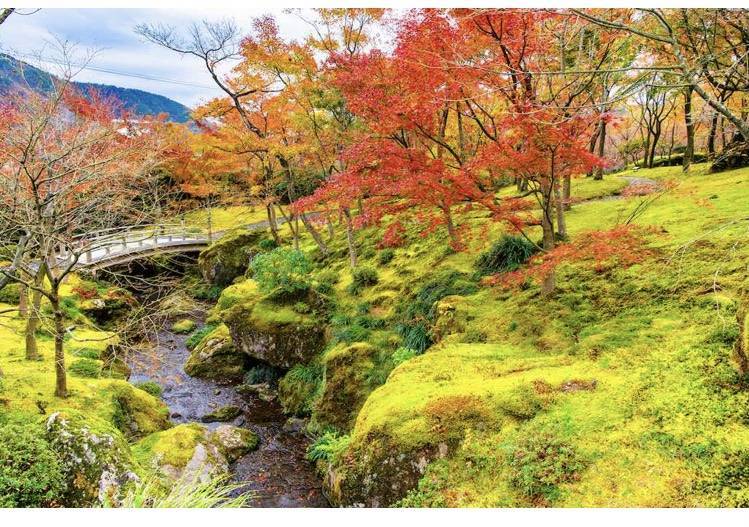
[15,72]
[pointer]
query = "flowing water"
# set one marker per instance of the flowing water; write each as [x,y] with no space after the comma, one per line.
[277,473]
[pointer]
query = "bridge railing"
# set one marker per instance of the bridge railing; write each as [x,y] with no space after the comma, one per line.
[100,245]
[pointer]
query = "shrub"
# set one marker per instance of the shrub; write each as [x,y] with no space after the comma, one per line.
[417,313]
[539,463]
[30,471]
[507,254]
[151,387]
[267,244]
[402,354]
[198,335]
[328,447]
[261,373]
[87,353]
[326,281]
[184,326]
[282,269]
[362,277]
[206,292]
[385,256]
[86,368]
[10,294]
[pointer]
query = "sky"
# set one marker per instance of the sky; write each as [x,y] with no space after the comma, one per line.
[109,32]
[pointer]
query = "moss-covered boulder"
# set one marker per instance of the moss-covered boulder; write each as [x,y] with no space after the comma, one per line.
[274,333]
[95,458]
[188,451]
[229,257]
[346,384]
[298,390]
[136,412]
[216,358]
[235,442]
[109,307]
[222,415]
[184,326]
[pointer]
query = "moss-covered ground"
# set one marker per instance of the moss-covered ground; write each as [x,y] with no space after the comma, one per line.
[620,389]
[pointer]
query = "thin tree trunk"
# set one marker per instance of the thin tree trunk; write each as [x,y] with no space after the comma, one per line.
[34,317]
[271,212]
[451,230]
[689,152]
[331,229]
[315,234]
[598,171]
[561,223]
[711,135]
[567,192]
[350,238]
[592,144]
[547,225]
[61,381]
[23,302]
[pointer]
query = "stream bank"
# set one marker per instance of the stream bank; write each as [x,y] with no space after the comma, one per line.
[277,474]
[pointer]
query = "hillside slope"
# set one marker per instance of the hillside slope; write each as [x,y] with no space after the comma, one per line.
[16,72]
[620,389]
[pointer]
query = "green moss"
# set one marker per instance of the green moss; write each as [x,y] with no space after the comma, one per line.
[274,333]
[30,471]
[299,389]
[215,357]
[221,415]
[137,413]
[229,257]
[90,368]
[173,447]
[185,325]
[346,384]
[150,387]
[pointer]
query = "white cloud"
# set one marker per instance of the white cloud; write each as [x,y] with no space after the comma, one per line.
[110,31]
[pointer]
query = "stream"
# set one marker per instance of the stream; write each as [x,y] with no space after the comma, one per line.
[277,474]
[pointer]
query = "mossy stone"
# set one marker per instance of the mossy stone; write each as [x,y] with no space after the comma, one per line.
[137,413]
[187,451]
[184,326]
[223,414]
[216,358]
[235,442]
[229,257]
[95,458]
[274,333]
[346,384]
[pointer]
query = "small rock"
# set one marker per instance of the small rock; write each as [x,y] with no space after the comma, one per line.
[223,414]
[234,442]
[294,425]
[216,392]
[175,415]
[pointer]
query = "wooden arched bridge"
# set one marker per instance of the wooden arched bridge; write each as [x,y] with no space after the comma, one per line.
[117,246]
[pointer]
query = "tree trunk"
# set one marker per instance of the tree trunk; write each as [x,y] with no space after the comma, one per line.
[711,135]
[454,239]
[271,212]
[315,234]
[549,242]
[598,171]
[567,192]
[23,302]
[34,317]
[592,145]
[350,238]
[331,229]
[61,381]
[561,223]
[689,152]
